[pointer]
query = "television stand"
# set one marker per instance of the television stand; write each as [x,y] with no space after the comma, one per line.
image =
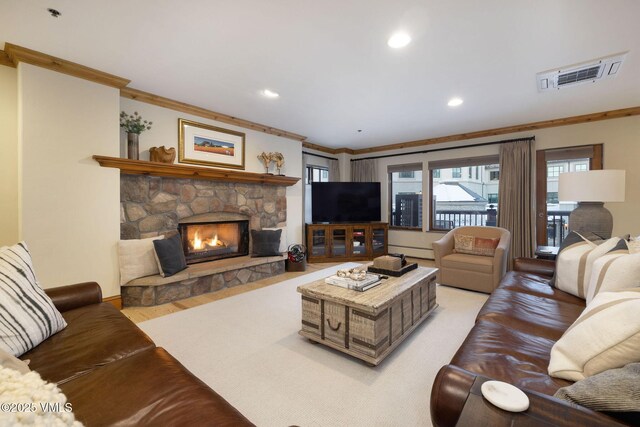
[332,242]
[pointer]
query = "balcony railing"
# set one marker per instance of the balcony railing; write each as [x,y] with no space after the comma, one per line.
[557,222]
[557,227]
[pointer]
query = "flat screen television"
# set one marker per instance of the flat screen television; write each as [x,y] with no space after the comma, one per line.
[345,201]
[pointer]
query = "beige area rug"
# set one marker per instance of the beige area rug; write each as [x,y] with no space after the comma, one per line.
[247,349]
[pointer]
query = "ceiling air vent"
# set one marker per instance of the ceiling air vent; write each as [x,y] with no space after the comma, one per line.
[587,72]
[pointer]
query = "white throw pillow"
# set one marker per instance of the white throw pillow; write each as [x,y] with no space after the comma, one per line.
[137,259]
[283,238]
[616,270]
[600,250]
[605,336]
[27,314]
[571,264]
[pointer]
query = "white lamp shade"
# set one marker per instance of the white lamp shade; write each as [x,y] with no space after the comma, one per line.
[592,186]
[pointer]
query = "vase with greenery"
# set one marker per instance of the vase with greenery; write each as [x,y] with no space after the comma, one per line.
[134,125]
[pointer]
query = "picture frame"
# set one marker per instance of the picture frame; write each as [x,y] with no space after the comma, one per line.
[206,145]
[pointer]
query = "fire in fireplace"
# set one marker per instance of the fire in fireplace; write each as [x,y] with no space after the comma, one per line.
[211,240]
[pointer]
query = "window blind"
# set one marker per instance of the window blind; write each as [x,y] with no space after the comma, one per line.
[468,161]
[409,167]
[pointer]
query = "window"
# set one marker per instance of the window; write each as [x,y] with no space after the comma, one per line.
[405,196]
[552,219]
[317,174]
[554,171]
[467,201]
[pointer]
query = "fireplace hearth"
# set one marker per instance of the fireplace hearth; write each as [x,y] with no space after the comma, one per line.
[209,237]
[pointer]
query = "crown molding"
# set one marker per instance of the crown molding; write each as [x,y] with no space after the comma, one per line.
[18,54]
[573,120]
[5,60]
[14,54]
[328,150]
[161,101]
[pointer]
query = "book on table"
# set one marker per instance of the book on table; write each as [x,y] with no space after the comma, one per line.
[368,282]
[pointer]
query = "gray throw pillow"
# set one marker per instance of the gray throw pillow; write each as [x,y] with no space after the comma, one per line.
[170,255]
[615,390]
[265,242]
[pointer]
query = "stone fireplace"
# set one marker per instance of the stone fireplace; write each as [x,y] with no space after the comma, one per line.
[153,206]
[213,236]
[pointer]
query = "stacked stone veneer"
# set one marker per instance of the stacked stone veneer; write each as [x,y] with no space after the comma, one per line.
[145,296]
[153,206]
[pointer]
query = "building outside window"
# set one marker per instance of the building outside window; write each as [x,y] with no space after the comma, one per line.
[554,171]
[583,167]
[405,196]
[458,201]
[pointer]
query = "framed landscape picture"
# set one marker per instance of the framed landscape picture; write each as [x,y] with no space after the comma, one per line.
[206,145]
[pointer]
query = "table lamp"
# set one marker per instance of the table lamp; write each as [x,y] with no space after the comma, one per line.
[591,189]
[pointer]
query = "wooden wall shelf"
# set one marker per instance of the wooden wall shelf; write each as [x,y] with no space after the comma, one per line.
[142,167]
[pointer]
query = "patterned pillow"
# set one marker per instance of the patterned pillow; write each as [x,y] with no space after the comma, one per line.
[475,245]
[605,336]
[616,270]
[28,314]
[571,263]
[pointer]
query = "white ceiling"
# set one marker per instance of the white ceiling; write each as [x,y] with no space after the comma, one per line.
[330,63]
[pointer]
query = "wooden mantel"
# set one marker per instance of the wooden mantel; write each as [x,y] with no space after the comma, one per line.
[142,167]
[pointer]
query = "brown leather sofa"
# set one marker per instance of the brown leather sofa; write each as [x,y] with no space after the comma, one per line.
[112,373]
[511,341]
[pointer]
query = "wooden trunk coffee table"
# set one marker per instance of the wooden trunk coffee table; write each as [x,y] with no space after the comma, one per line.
[368,325]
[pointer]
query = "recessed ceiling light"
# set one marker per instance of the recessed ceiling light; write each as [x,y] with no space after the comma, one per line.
[399,40]
[270,94]
[454,102]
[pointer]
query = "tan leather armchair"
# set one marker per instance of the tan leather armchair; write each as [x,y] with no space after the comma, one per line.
[473,272]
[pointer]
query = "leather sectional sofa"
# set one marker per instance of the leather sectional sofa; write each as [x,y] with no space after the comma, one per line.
[511,341]
[112,373]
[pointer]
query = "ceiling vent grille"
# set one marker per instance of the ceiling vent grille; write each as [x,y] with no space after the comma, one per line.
[588,72]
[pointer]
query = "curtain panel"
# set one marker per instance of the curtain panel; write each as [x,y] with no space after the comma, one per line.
[334,171]
[515,197]
[364,170]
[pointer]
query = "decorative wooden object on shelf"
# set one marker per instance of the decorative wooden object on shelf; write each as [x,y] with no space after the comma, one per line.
[162,154]
[142,167]
[346,242]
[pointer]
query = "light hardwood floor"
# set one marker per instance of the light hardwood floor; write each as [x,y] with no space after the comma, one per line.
[140,314]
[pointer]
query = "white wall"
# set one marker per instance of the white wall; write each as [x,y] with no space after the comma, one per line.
[621,139]
[165,132]
[8,156]
[70,206]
